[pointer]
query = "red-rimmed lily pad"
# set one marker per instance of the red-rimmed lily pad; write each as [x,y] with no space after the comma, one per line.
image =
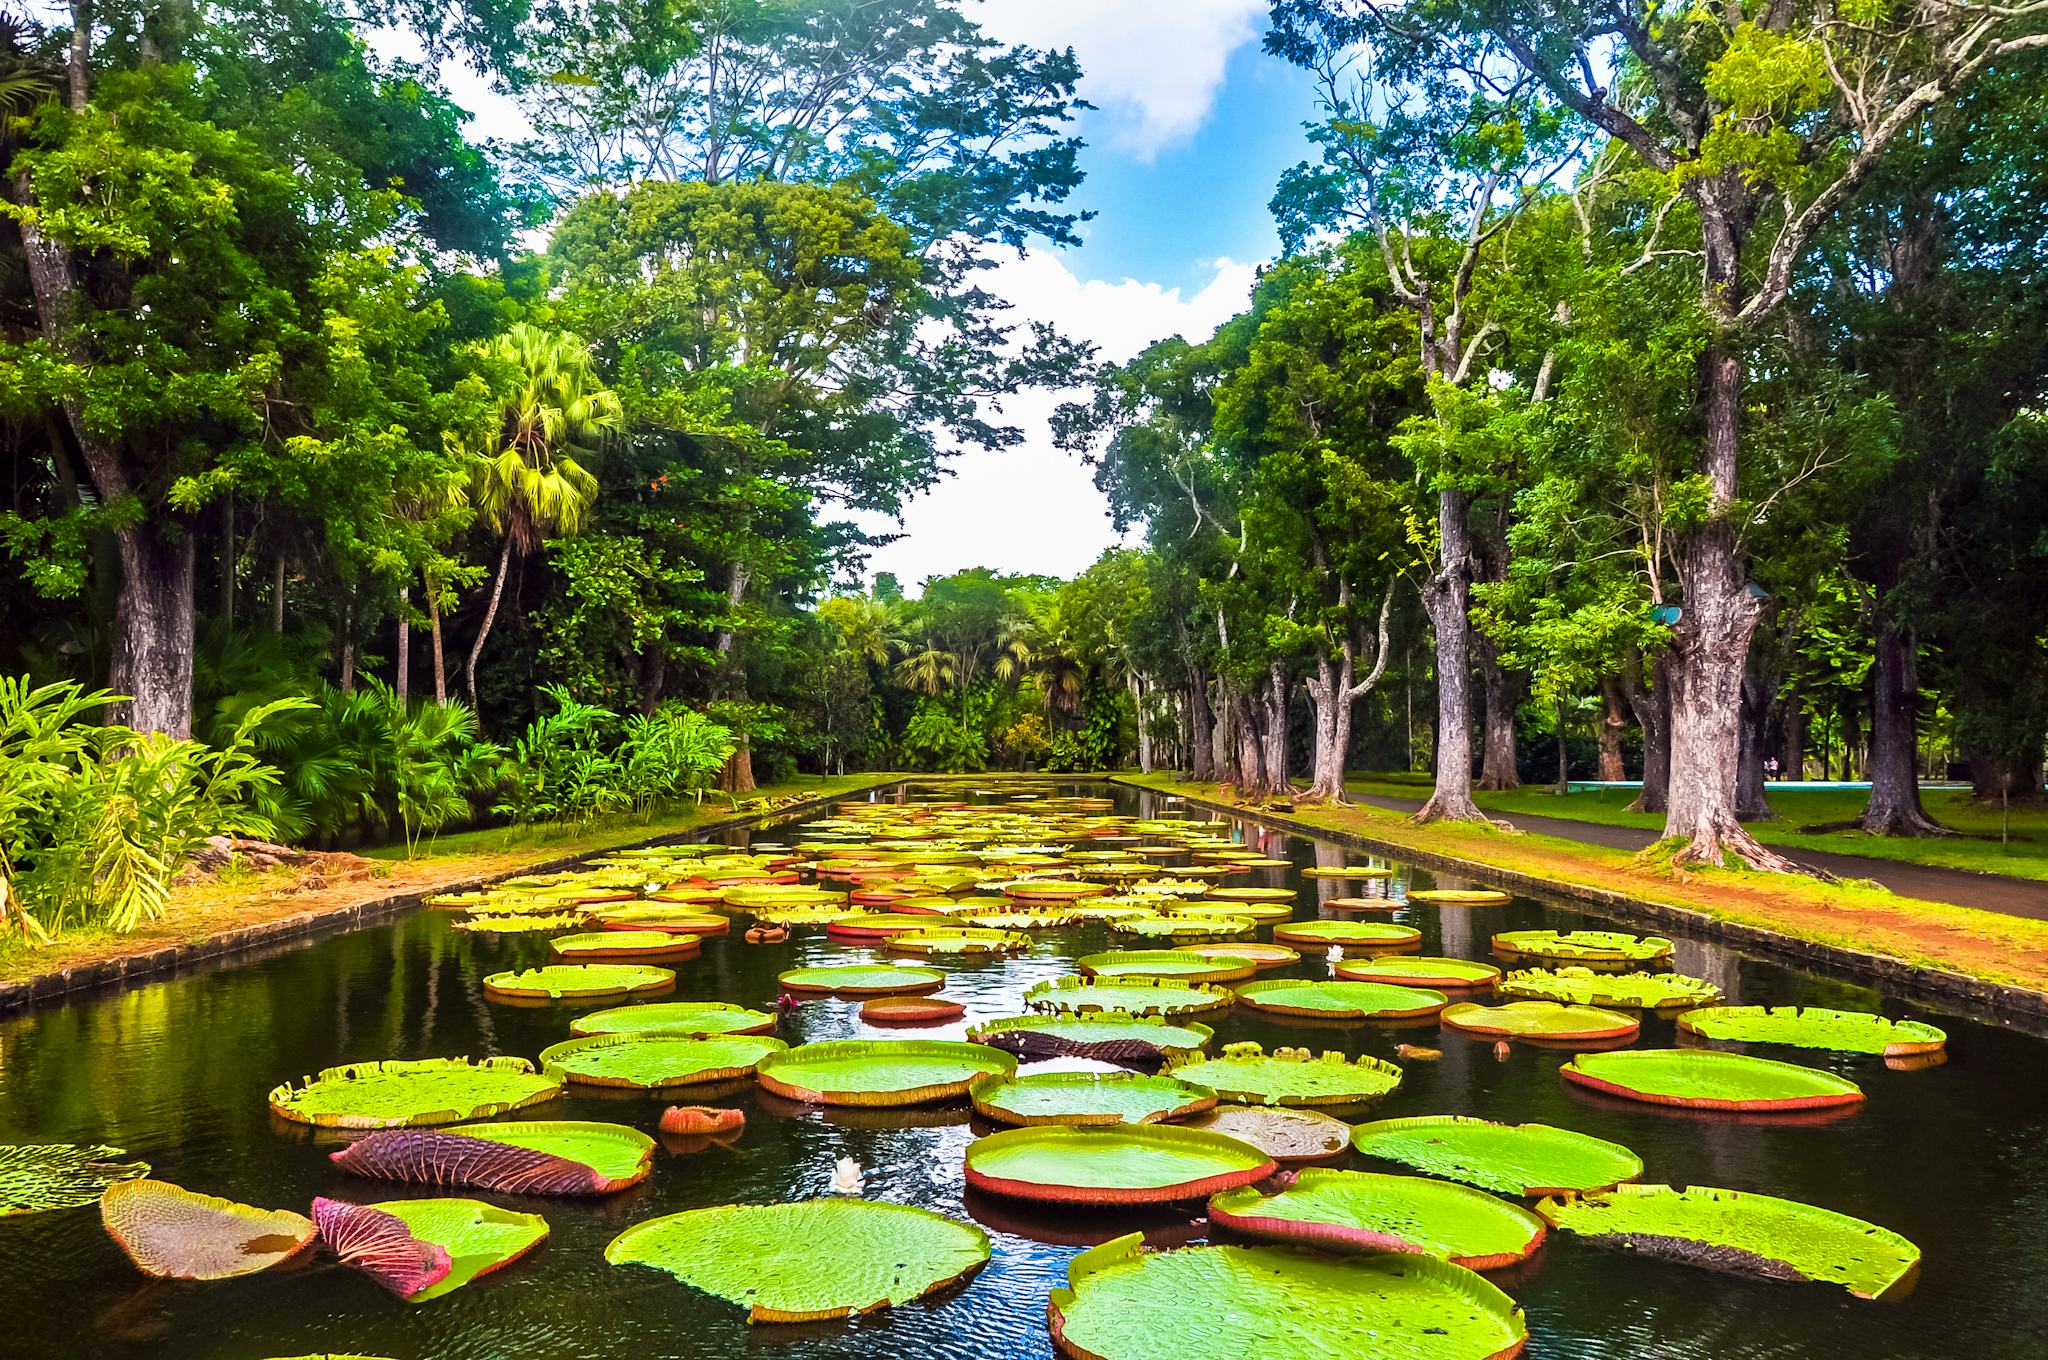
[1509,1159]
[1742,1232]
[1107,1036]
[1178,926]
[880,1072]
[1362,935]
[877,925]
[910,1010]
[177,1234]
[421,1249]
[807,1261]
[1120,1165]
[1361,904]
[666,918]
[1815,1027]
[1701,1079]
[626,946]
[657,1062]
[1132,995]
[1179,964]
[1347,871]
[546,1157]
[675,1017]
[1545,1023]
[386,1095]
[1340,1000]
[1284,1135]
[1087,1098]
[1593,948]
[1367,1211]
[967,940]
[1123,1302]
[38,1176]
[1290,1076]
[1251,951]
[862,979]
[580,982]
[1420,970]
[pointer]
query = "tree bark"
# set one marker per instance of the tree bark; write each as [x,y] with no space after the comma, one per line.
[1650,697]
[440,656]
[1894,807]
[277,594]
[1334,691]
[1995,777]
[1136,684]
[1564,774]
[1751,804]
[476,649]
[1499,689]
[1793,758]
[1274,730]
[1613,726]
[402,683]
[1445,600]
[153,630]
[227,560]
[1202,721]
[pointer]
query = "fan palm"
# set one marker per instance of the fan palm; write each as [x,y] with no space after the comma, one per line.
[930,672]
[527,477]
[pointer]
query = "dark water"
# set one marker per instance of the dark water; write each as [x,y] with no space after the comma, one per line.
[1955,1157]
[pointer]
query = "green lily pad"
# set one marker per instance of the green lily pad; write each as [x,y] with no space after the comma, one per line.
[1131,995]
[517,925]
[1419,970]
[1276,1303]
[39,1176]
[1340,1000]
[863,979]
[964,940]
[1347,934]
[615,946]
[1121,1165]
[1509,1159]
[675,1017]
[1087,1098]
[1706,1080]
[1018,917]
[654,1062]
[1367,1211]
[1541,1022]
[810,1260]
[545,1157]
[880,1072]
[1582,946]
[477,1237]
[1178,964]
[1182,927]
[1290,1076]
[580,982]
[1813,1027]
[1749,1234]
[1105,1035]
[1251,951]
[1617,991]
[1461,897]
[388,1095]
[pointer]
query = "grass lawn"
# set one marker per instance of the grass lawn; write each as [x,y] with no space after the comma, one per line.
[233,900]
[2004,949]
[1977,848]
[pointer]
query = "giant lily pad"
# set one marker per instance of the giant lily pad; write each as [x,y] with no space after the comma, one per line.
[1183,926]
[553,1157]
[386,1095]
[1461,897]
[1109,1036]
[1131,995]
[1813,1027]
[1347,871]
[1087,1098]
[655,1062]
[517,925]
[1178,964]
[862,979]
[580,982]
[173,1233]
[39,1176]
[1366,1211]
[1284,1135]
[1340,1000]
[881,1071]
[876,925]
[421,1249]
[1707,1080]
[1749,1234]
[1347,934]
[1251,951]
[1595,947]
[1420,970]
[625,946]
[675,1017]
[960,940]
[1122,1165]
[1275,1303]
[1616,991]
[1510,1159]
[810,1260]
[664,918]
[1290,1076]
[1542,1022]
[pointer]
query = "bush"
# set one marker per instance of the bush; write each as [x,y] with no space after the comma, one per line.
[937,741]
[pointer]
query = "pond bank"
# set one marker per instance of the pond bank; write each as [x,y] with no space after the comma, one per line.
[1981,959]
[219,919]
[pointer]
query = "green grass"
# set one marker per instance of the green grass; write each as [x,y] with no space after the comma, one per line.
[1977,848]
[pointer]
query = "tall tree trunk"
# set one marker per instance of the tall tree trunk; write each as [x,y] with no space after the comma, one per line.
[348,647]
[402,685]
[1248,756]
[1500,689]
[1202,733]
[1136,684]
[1650,697]
[440,656]
[1278,776]
[1893,808]
[154,629]
[227,560]
[1792,759]
[1334,690]
[1564,775]
[1750,803]
[1445,597]
[277,594]
[1613,726]
[1997,777]
[476,649]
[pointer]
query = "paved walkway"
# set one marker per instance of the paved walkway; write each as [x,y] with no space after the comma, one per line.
[1987,892]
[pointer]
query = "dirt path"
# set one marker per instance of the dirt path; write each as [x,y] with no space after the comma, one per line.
[1986,892]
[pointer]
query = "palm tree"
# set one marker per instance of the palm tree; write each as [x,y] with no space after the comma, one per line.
[930,672]
[527,479]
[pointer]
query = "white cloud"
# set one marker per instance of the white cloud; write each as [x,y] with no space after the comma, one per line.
[1154,66]
[1034,508]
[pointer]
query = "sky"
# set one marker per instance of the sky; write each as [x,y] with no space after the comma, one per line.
[1193,125]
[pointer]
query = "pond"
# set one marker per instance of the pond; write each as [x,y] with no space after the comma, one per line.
[1955,1157]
